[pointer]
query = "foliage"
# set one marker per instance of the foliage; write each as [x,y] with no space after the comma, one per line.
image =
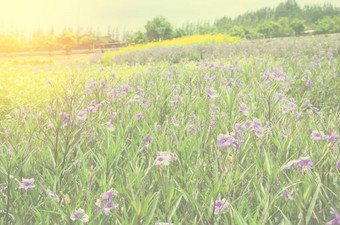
[158,29]
[268,29]
[237,31]
[251,138]
[67,40]
[329,25]
[137,38]
[298,26]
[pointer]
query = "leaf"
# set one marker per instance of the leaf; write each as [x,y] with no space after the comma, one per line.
[312,204]
[153,209]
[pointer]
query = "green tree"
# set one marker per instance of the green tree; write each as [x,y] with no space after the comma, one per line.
[251,33]
[137,38]
[223,25]
[268,29]
[285,29]
[298,26]
[327,25]
[158,29]
[9,43]
[180,32]
[237,31]
[67,40]
[87,41]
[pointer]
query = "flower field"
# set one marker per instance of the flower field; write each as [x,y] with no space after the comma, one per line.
[204,39]
[244,133]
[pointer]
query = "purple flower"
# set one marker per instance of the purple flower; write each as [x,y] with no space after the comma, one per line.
[309,83]
[148,139]
[109,194]
[3,188]
[66,116]
[302,163]
[164,158]
[113,75]
[287,194]
[50,126]
[226,140]
[140,116]
[27,184]
[175,122]
[103,84]
[80,215]
[105,203]
[244,109]
[212,93]
[220,206]
[306,162]
[193,129]
[338,164]
[81,116]
[109,126]
[317,135]
[52,195]
[308,103]
[336,220]
[333,138]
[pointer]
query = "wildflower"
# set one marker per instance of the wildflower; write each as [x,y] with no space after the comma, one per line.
[226,140]
[336,220]
[303,162]
[105,203]
[244,109]
[66,116]
[308,103]
[109,126]
[240,127]
[113,75]
[333,138]
[80,215]
[220,206]
[164,158]
[175,122]
[27,184]
[140,116]
[127,88]
[148,139]
[280,96]
[287,194]
[317,136]
[52,195]
[81,116]
[3,188]
[212,93]
[193,129]
[338,164]
[103,84]
[309,83]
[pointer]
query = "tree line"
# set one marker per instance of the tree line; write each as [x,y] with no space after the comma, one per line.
[287,19]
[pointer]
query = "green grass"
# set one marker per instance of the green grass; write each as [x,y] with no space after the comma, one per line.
[85,159]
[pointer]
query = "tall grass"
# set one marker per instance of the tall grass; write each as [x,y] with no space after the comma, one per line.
[233,123]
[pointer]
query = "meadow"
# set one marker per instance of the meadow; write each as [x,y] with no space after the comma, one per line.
[239,133]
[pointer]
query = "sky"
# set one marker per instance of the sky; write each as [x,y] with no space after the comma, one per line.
[128,15]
